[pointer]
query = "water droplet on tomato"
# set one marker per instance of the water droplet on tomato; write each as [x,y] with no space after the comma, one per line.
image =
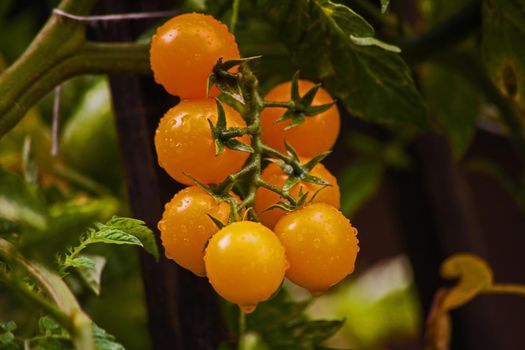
[247,309]
[317,293]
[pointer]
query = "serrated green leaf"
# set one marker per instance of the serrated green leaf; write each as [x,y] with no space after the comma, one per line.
[47,325]
[82,261]
[373,83]
[92,275]
[20,203]
[237,145]
[8,326]
[503,35]
[138,229]
[104,340]
[115,236]
[7,338]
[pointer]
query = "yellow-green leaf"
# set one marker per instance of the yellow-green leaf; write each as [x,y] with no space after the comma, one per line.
[474,276]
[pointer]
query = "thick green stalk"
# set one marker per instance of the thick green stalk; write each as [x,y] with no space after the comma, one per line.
[67,311]
[58,52]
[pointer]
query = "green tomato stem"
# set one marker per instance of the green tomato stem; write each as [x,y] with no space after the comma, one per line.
[65,309]
[275,104]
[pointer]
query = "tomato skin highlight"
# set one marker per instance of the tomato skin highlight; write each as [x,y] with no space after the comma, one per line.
[184,50]
[185,145]
[321,246]
[245,263]
[185,226]
[274,175]
[315,135]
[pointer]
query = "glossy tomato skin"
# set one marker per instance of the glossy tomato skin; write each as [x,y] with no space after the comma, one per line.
[245,263]
[185,145]
[184,50]
[321,246]
[274,175]
[315,135]
[185,226]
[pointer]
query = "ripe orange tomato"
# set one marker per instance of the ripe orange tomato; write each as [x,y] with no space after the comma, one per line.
[245,263]
[321,246]
[274,175]
[185,226]
[185,144]
[315,135]
[184,50]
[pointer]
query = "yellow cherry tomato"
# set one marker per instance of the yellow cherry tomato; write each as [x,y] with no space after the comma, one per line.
[314,136]
[185,49]
[245,263]
[185,226]
[274,175]
[321,246]
[185,144]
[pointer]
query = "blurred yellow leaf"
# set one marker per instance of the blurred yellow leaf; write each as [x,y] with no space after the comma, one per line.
[474,276]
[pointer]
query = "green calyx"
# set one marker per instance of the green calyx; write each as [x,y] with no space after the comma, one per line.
[239,90]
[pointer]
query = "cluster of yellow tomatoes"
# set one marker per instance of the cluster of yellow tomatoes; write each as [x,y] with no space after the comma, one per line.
[315,246]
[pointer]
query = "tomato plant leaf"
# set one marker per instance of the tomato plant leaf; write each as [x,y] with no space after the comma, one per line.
[114,236]
[92,274]
[474,276]
[138,229]
[7,338]
[82,261]
[371,80]
[104,340]
[503,35]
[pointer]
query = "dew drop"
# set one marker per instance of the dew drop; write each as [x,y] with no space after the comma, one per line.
[317,293]
[317,242]
[247,309]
